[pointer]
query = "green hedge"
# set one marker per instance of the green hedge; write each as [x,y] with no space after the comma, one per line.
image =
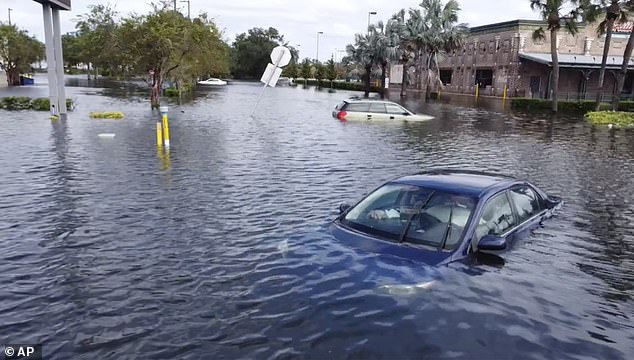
[615,118]
[352,86]
[26,103]
[567,106]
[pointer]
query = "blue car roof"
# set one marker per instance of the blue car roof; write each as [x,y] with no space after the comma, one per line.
[466,182]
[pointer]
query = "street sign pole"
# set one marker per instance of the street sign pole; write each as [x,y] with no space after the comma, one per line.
[280,56]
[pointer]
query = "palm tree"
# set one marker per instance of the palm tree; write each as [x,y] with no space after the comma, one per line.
[620,79]
[443,35]
[613,13]
[404,51]
[383,42]
[362,54]
[430,32]
[551,12]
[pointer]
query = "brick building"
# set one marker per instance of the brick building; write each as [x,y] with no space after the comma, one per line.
[505,54]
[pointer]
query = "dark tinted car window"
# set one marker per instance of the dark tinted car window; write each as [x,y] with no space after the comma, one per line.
[525,201]
[340,105]
[377,108]
[359,107]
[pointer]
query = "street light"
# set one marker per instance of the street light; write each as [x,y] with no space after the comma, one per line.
[370,13]
[188,4]
[318,33]
[10,16]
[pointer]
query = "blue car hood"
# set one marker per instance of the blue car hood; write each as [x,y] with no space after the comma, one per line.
[385,247]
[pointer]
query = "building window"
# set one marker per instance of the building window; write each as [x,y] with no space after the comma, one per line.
[445,76]
[484,77]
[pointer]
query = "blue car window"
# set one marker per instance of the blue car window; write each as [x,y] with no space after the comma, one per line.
[525,202]
[442,221]
[497,217]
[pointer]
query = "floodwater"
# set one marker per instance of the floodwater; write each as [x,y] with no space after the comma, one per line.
[219,249]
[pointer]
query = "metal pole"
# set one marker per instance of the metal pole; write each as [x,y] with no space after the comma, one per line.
[370,13]
[174,5]
[50,58]
[59,64]
[318,33]
[10,16]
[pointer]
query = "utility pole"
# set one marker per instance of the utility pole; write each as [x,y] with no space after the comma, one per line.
[318,33]
[10,16]
[174,5]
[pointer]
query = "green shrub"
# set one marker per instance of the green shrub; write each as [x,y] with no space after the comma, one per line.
[616,118]
[106,115]
[171,92]
[16,103]
[352,86]
[564,106]
[41,104]
[24,103]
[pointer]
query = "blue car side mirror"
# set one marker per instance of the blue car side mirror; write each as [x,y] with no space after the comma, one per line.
[492,243]
[344,207]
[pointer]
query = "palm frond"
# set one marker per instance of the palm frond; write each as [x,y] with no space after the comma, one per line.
[539,34]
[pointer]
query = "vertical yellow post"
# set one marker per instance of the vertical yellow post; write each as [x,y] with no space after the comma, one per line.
[477,90]
[504,92]
[166,129]
[159,134]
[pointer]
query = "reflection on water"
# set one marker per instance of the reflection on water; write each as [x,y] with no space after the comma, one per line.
[218,248]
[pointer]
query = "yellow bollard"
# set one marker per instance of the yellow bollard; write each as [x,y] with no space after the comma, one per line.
[166,129]
[166,132]
[159,135]
[477,90]
[504,92]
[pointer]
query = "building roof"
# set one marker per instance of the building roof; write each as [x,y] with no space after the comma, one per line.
[576,61]
[472,183]
[505,25]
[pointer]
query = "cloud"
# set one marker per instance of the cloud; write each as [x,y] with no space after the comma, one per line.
[298,20]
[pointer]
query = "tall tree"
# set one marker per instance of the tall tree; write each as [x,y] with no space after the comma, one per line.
[441,34]
[331,70]
[361,53]
[405,49]
[96,38]
[384,44]
[18,51]
[620,79]
[613,13]
[252,50]
[558,13]
[169,46]
[305,69]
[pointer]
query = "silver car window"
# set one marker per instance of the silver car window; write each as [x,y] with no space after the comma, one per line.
[357,107]
[377,108]
[395,109]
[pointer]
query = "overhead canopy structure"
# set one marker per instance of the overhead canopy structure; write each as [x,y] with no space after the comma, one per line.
[577,61]
[54,56]
[59,4]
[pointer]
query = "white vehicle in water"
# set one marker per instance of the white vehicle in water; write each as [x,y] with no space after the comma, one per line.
[355,109]
[212,82]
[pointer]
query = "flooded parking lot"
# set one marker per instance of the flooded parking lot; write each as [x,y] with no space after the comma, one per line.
[220,249]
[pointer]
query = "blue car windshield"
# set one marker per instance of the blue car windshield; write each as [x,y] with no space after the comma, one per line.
[413,214]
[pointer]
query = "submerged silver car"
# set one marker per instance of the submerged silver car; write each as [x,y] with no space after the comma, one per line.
[355,109]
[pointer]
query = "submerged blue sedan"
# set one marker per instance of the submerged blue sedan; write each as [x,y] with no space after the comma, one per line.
[441,216]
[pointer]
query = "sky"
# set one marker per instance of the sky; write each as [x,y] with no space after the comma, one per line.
[298,20]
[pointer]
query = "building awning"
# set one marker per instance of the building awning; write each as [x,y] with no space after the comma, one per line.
[577,61]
